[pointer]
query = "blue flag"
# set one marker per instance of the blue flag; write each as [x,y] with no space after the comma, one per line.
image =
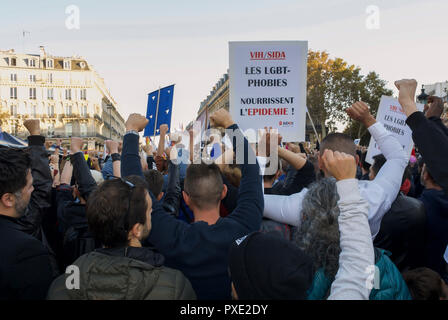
[165,100]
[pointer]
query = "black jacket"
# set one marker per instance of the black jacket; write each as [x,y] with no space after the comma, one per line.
[27,263]
[430,136]
[77,240]
[295,180]
[402,232]
[436,206]
[25,267]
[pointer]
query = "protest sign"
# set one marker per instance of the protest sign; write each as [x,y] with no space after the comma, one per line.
[391,115]
[268,86]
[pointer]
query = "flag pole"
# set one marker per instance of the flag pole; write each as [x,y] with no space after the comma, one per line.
[312,123]
[157,113]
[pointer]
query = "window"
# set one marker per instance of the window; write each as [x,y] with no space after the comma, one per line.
[67,65]
[14,110]
[49,63]
[50,130]
[68,94]
[83,129]
[13,61]
[33,78]
[50,111]
[50,94]
[68,129]
[33,93]
[50,78]
[34,111]
[68,110]
[32,63]
[83,94]
[84,111]
[14,77]
[14,129]
[13,93]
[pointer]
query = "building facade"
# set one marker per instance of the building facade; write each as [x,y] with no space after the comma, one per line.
[65,93]
[219,98]
[439,89]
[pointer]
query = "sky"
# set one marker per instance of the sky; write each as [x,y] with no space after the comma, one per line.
[138,46]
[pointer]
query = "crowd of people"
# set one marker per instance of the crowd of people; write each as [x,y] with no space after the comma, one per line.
[140,224]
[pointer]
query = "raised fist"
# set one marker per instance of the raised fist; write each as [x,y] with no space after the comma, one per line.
[340,165]
[33,126]
[148,149]
[136,122]
[406,94]
[112,146]
[434,108]
[221,118]
[76,144]
[163,129]
[359,111]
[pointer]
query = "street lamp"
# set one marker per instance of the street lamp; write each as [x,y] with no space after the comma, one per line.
[423,97]
[109,106]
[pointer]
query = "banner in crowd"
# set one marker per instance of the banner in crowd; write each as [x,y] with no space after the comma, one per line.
[268,86]
[391,115]
[160,106]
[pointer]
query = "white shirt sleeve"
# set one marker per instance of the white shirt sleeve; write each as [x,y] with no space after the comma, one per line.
[383,190]
[284,209]
[357,258]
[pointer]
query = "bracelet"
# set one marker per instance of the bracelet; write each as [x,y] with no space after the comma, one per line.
[131,132]
[116,157]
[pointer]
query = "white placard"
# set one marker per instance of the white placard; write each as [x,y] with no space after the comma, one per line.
[268,86]
[391,115]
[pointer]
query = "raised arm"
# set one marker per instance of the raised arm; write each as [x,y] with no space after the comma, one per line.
[387,183]
[431,141]
[171,201]
[250,197]
[81,171]
[112,146]
[42,180]
[130,157]
[54,163]
[357,255]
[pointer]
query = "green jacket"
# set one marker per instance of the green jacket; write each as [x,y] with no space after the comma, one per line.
[119,277]
[391,284]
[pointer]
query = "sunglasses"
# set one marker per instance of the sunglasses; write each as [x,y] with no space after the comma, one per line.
[131,186]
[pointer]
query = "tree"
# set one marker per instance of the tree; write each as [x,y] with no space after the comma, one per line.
[4,115]
[333,85]
[372,89]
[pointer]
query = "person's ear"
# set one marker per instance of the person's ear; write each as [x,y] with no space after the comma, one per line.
[320,163]
[187,198]
[160,196]
[224,192]
[136,231]
[7,200]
